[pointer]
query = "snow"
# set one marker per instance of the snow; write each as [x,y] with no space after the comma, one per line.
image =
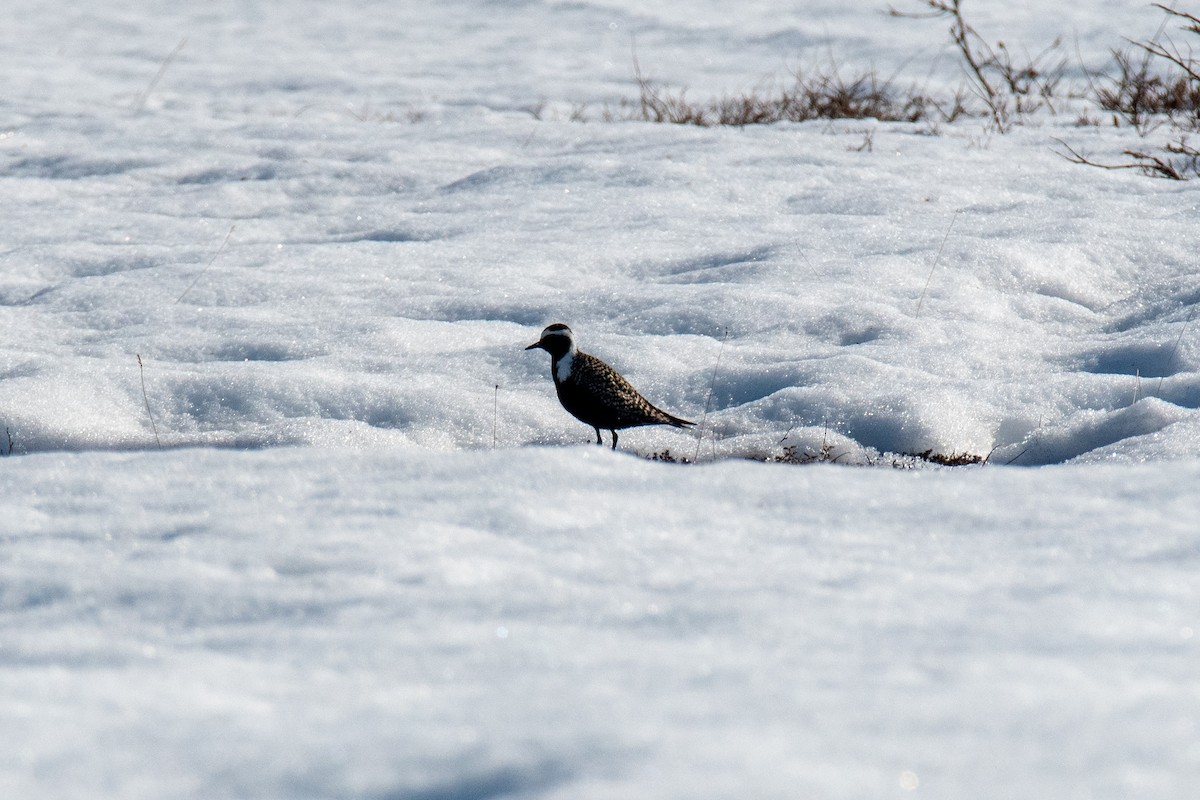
[290,513]
[291,623]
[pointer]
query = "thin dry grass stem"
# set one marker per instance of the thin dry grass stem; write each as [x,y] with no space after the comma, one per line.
[146,400]
[1158,389]
[7,436]
[936,259]
[140,103]
[1032,440]
[200,274]
[495,413]
[712,385]
[1013,460]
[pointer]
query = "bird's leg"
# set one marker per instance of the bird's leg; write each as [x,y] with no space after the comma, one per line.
[598,439]
[614,433]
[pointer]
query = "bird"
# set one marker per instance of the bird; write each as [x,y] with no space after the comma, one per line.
[595,393]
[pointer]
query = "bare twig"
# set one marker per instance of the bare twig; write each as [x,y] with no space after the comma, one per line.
[979,57]
[1186,63]
[1075,157]
[1006,86]
[1174,55]
[1155,166]
[1147,163]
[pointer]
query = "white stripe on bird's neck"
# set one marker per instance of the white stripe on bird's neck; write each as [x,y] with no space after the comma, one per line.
[562,369]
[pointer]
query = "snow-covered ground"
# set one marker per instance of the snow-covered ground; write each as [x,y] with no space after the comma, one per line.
[335,537]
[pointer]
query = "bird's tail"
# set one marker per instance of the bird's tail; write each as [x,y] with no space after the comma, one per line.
[678,422]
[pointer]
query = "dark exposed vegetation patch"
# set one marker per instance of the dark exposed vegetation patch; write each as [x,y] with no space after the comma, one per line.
[949,459]
[792,454]
[819,94]
[1141,96]
[667,457]
[828,454]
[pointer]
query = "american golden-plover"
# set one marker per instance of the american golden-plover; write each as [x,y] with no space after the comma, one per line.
[595,393]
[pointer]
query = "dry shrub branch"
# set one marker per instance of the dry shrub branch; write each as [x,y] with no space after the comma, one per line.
[1149,85]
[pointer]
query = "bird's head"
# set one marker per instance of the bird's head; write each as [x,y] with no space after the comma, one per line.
[557,340]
